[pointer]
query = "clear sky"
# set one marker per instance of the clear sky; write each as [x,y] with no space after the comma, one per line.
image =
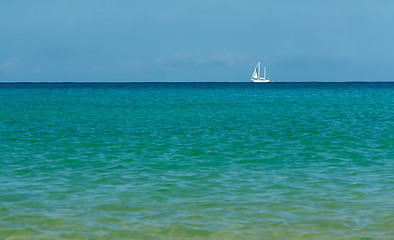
[206,40]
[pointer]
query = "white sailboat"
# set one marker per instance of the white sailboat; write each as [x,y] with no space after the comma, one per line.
[256,75]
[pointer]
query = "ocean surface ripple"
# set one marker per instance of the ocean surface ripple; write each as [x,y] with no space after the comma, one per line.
[197,161]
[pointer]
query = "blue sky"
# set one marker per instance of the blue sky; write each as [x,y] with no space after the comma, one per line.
[208,40]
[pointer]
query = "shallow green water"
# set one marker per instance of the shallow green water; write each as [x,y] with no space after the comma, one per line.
[197,161]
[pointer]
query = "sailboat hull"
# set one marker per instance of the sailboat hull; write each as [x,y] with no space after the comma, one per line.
[261,80]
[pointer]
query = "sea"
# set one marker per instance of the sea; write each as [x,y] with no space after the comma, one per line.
[180,161]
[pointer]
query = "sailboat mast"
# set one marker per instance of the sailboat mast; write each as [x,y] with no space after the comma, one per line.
[259,71]
[264,71]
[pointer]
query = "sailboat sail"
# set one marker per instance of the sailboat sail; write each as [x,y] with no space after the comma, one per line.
[255,73]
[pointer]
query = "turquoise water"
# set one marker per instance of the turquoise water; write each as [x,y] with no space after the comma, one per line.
[197,161]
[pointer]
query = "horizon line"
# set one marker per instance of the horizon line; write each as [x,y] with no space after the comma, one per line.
[16,82]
